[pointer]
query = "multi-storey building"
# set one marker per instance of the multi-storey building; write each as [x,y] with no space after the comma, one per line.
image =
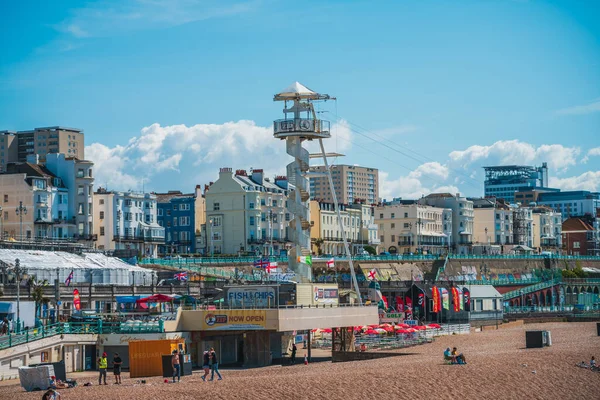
[325,233]
[503,181]
[462,218]
[247,213]
[414,228]
[177,213]
[369,232]
[571,204]
[492,222]
[547,229]
[351,183]
[77,175]
[523,226]
[127,222]
[41,141]
[580,238]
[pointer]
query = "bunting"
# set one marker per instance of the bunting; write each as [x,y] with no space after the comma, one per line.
[435,294]
[455,299]
[467,299]
[408,307]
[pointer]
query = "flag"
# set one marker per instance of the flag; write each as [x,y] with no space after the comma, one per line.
[399,303]
[305,260]
[181,276]
[445,298]
[76,300]
[408,307]
[372,275]
[261,263]
[421,302]
[435,294]
[271,267]
[385,302]
[455,299]
[69,279]
[331,263]
[467,299]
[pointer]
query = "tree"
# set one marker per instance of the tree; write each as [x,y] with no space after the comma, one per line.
[36,290]
[317,243]
[370,250]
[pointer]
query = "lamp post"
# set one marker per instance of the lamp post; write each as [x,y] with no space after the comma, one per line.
[19,272]
[410,225]
[21,210]
[1,224]
[419,224]
[119,229]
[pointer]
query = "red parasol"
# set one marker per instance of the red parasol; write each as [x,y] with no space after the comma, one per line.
[419,327]
[434,326]
[371,332]
[405,326]
[157,298]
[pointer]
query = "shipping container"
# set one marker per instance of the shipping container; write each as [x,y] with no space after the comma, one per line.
[145,356]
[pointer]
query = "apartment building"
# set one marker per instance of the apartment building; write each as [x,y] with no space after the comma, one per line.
[523,226]
[351,183]
[77,175]
[462,218]
[492,222]
[547,229]
[580,238]
[414,228]
[247,213]
[17,146]
[127,222]
[178,214]
[571,204]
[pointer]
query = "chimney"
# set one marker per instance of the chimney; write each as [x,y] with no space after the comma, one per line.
[282,182]
[225,171]
[257,176]
[33,158]
[241,172]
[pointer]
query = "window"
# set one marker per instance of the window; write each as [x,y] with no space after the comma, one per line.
[405,215]
[128,203]
[184,236]
[174,207]
[263,217]
[251,221]
[80,209]
[160,212]
[274,217]
[101,231]
[478,305]
[101,214]
[175,221]
[380,216]
[168,213]
[274,203]
[216,221]
[287,216]
[382,239]
[184,221]
[101,201]
[393,215]
[251,206]
[393,238]
[576,245]
[406,225]
[216,206]
[393,226]
[262,202]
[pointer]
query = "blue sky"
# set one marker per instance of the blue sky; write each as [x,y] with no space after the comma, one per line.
[428,91]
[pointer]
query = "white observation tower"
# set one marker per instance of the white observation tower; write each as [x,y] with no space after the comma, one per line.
[300,124]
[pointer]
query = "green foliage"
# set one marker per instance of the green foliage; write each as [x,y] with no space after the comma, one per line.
[370,250]
[567,273]
[576,272]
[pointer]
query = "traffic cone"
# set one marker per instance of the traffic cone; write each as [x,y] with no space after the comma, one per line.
[305,360]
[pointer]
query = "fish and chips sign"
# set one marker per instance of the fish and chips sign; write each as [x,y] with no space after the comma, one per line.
[389,318]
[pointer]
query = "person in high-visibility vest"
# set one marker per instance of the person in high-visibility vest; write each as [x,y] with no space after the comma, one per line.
[102,365]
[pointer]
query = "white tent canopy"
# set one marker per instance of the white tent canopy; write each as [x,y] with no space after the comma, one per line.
[93,268]
[298,91]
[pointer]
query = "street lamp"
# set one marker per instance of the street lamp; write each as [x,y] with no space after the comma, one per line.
[119,229]
[1,224]
[21,210]
[19,272]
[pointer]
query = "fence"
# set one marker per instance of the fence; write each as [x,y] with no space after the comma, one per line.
[95,327]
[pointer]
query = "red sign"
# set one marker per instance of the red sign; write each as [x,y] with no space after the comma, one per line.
[435,293]
[76,300]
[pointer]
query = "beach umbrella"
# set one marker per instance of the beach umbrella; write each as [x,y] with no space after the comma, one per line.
[434,326]
[419,327]
[327,330]
[370,332]
[385,326]
[411,330]
[380,330]
[402,330]
[405,326]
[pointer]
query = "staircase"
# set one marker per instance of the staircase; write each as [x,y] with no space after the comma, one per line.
[531,289]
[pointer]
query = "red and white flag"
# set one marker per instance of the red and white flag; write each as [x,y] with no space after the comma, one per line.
[372,275]
[331,263]
[271,267]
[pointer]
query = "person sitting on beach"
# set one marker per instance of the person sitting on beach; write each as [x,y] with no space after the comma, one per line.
[448,356]
[458,358]
[593,362]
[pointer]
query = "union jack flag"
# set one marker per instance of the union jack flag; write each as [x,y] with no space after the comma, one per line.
[262,263]
[69,279]
[181,276]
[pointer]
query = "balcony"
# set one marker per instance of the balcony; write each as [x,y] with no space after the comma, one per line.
[85,237]
[333,239]
[301,127]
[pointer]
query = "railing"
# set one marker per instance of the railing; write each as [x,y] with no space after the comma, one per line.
[301,125]
[530,289]
[74,328]
[538,309]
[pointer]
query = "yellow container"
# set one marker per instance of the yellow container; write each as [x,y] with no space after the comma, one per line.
[145,356]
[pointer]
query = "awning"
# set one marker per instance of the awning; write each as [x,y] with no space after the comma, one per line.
[5,308]
[522,247]
[127,299]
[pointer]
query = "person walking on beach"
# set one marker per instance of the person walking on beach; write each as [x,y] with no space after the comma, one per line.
[117,362]
[176,366]
[102,365]
[294,349]
[215,365]
[206,364]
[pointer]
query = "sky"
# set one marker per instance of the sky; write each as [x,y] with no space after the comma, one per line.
[428,91]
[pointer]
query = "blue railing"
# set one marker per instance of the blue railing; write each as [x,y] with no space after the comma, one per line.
[63,328]
[530,289]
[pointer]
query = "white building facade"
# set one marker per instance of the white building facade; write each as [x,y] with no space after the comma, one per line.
[127,222]
[247,213]
[462,218]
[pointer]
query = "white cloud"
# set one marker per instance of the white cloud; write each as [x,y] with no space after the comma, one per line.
[172,155]
[591,153]
[589,180]
[508,152]
[411,185]
[581,109]
[105,18]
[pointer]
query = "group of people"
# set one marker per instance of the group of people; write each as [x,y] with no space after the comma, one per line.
[210,363]
[103,365]
[593,365]
[454,357]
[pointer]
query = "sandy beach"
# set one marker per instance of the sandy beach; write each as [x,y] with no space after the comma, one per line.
[499,367]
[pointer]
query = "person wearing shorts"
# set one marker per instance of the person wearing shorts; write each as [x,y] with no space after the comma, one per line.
[117,362]
[206,364]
